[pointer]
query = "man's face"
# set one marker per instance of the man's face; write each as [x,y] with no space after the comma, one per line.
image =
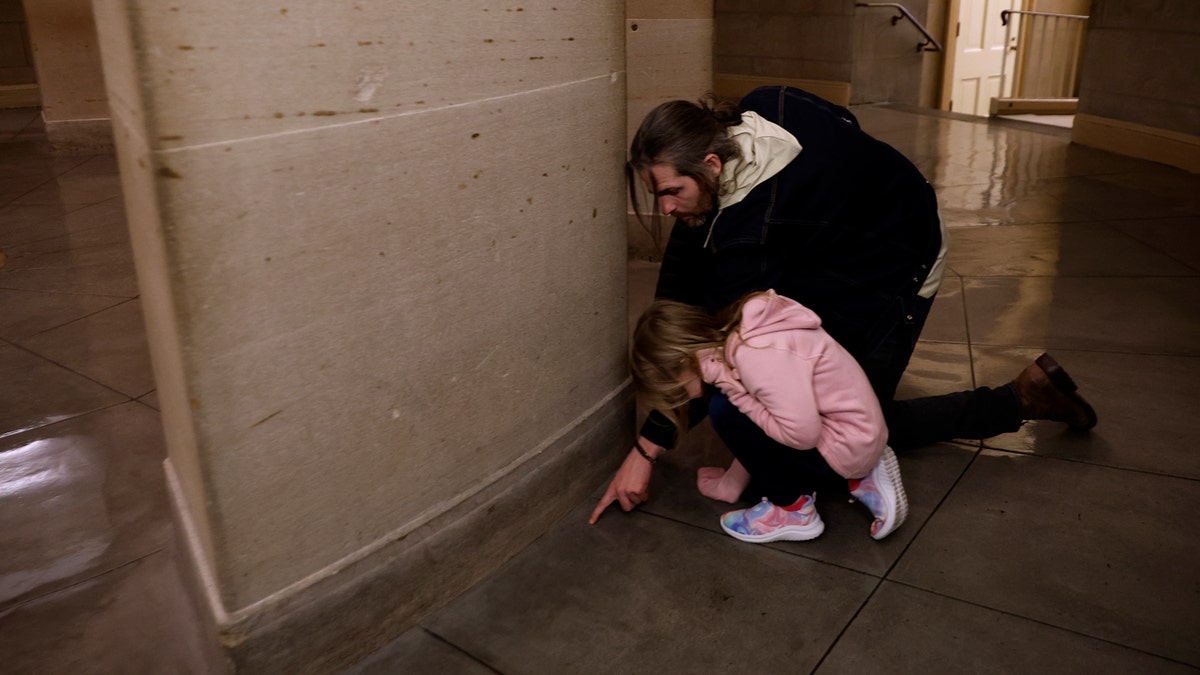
[679,196]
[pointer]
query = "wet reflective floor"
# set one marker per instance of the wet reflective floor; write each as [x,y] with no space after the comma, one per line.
[1041,550]
[88,581]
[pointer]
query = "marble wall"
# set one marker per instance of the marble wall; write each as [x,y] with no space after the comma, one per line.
[844,53]
[668,55]
[1139,91]
[1140,63]
[74,104]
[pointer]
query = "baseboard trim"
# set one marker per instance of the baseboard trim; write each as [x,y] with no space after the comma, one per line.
[1138,140]
[80,137]
[338,616]
[20,96]
[729,85]
[1034,106]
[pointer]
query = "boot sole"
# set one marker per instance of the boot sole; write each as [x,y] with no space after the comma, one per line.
[1063,382]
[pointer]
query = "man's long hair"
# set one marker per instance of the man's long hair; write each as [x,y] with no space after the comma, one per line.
[681,134]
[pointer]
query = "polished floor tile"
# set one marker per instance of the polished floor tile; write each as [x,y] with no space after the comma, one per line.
[24,223]
[1169,183]
[150,399]
[135,619]
[1098,551]
[37,392]
[1062,249]
[638,593]
[101,265]
[62,225]
[15,120]
[417,651]
[917,632]
[87,183]
[79,498]
[1057,200]
[947,318]
[1148,315]
[27,313]
[938,368]
[108,346]
[1178,238]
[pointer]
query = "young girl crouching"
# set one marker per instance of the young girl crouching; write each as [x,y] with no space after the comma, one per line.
[792,405]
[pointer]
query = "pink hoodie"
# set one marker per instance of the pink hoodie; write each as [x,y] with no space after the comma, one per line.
[799,385]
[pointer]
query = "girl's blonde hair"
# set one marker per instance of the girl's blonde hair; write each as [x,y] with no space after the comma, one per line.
[665,342]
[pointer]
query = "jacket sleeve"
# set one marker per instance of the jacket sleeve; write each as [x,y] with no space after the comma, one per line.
[681,276]
[777,393]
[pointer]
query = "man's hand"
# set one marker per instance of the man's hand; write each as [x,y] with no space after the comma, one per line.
[631,485]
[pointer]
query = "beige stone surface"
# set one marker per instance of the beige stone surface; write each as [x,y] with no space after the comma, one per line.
[67,59]
[1138,66]
[70,81]
[154,274]
[392,318]
[666,59]
[227,69]
[669,9]
[359,319]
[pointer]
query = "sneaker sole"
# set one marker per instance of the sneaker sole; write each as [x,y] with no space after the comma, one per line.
[788,533]
[896,498]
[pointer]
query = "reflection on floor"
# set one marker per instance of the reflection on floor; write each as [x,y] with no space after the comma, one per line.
[1036,551]
[1064,121]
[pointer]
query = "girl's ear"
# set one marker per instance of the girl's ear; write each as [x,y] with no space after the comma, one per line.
[714,164]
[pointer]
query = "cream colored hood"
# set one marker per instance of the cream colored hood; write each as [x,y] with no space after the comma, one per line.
[766,149]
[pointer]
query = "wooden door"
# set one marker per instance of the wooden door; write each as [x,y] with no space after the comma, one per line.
[18,82]
[979,50]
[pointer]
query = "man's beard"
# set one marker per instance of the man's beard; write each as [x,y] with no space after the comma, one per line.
[704,204]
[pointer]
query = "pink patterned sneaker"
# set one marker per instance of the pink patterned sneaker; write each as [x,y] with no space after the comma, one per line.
[883,493]
[766,522]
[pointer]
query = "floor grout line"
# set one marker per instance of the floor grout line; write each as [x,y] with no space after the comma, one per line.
[461,650]
[81,318]
[4,609]
[1071,460]
[892,567]
[1037,621]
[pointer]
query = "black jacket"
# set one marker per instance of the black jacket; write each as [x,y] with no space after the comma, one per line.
[849,229]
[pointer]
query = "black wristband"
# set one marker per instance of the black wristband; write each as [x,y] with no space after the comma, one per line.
[638,446]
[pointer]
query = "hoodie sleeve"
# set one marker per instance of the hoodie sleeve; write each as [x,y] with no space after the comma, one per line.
[777,393]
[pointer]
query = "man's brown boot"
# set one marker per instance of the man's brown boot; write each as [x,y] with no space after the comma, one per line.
[1048,393]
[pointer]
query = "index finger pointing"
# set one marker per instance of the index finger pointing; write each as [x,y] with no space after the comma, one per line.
[605,502]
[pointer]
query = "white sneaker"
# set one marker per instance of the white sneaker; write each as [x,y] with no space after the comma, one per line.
[883,493]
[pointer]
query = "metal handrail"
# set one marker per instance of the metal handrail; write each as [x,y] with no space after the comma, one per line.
[905,14]
[1004,14]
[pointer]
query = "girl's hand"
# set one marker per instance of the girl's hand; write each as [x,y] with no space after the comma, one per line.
[715,371]
[631,485]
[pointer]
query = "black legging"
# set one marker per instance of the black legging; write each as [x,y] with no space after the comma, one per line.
[977,413]
[778,472]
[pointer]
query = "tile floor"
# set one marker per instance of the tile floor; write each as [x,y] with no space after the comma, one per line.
[88,581]
[1038,551]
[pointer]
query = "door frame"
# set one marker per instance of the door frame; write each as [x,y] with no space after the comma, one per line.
[953,11]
